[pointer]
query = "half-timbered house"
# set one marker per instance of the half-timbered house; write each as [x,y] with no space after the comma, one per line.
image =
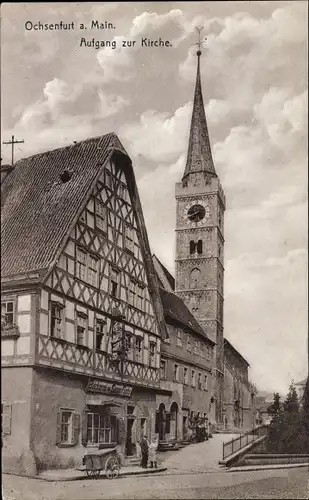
[82,320]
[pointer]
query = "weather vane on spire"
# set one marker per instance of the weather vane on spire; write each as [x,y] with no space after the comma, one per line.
[199,42]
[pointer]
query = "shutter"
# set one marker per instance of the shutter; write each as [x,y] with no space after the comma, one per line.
[84,427]
[168,423]
[58,427]
[6,418]
[76,428]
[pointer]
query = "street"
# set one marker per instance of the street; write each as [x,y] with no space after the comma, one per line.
[192,472]
[284,483]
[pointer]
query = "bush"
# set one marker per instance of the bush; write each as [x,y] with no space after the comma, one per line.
[287,432]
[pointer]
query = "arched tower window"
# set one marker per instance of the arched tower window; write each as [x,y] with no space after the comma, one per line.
[195,278]
[192,247]
[199,246]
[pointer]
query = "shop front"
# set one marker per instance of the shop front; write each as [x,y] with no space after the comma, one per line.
[117,415]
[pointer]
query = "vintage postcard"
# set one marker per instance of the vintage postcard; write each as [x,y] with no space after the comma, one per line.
[154,337]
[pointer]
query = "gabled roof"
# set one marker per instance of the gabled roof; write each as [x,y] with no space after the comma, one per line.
[199,158]
[302,383]
[176,311]
[228,345]
[38,207]
[165,278]
[42,199]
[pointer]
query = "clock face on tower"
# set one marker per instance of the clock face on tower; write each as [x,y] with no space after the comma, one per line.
[196,213]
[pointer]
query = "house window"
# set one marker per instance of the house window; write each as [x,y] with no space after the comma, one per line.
[121,191]
[179,338]
[193,382]
[108,179]
[100,326]
[81,264]
[56,320]
[87,267]
[129,238]
[199,381]
[66,425]
[100,216]
[92,271]
[100,428]
[152,352]
[208,352]
[189,343]
[196,347]
[140,298]
[138,349]
[205,383]
[199,247]
[202,352]
[185,376]
[7,312]
[163,369]
[114,282]
[132,293]
[81,325]
[176,373]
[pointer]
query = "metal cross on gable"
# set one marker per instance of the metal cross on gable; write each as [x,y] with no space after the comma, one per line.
[13,142]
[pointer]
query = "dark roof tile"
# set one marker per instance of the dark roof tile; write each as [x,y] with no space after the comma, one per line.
[38,208]
[176,310]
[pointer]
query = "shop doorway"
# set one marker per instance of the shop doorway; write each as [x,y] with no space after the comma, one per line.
[174,421]
[130,446]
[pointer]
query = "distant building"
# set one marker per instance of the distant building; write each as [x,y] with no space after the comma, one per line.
[239,394]
[300,388]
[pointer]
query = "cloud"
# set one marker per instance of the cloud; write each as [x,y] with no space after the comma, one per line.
[279,335]
[153,21]
[116,63]
[158,136]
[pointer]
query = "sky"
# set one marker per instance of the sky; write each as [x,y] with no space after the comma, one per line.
[254,75]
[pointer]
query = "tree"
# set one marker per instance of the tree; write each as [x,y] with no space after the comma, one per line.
[287,432]
[291,404]
[274,409]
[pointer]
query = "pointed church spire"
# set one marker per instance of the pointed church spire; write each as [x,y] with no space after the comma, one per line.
[199,158]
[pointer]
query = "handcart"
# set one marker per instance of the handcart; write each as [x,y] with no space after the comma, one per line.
[107,460]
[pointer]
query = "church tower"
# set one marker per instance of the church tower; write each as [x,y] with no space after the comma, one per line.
[199,269]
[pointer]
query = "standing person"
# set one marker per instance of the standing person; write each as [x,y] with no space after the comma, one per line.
[153,451]
[144,450]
